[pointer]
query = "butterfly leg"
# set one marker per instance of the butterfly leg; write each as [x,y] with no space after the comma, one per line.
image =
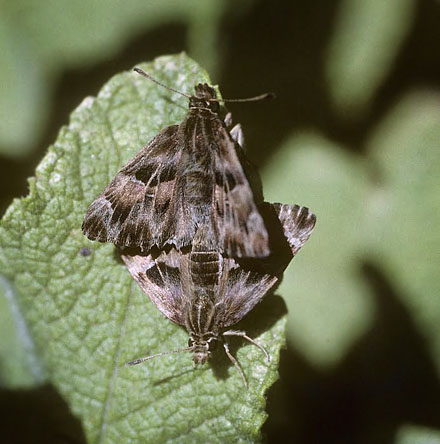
[245,336]
[235,362]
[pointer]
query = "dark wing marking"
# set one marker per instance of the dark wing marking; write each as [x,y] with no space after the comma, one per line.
[242,289]
[169,283]
[213,191]
[137,209]
[188,176]
[160,279]
[238,222]
[241,292]
[297,222]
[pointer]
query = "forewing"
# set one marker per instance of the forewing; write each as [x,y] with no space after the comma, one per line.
[239,223]
[297,223]
[242,290]
[160,279]
[137,209]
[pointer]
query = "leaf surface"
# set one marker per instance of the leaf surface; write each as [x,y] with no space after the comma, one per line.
[86,315]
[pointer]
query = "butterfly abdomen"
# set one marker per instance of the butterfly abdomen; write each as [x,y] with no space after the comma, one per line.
[205,271]
[205,268]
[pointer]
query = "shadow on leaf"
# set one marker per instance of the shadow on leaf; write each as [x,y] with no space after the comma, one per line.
[269,311]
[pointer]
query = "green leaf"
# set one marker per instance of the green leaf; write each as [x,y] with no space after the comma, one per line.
[86,315]
[38,40]
[24,91]
[19,366]
[405,207]
[328,302]
[368,35]
[382,208]
[411,434]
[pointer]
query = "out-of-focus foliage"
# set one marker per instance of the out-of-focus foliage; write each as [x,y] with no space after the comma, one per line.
[367,37]
[404,217]
[18,366]
[410,434]
[360,148]
[329,306]
[40,39]
[384,207]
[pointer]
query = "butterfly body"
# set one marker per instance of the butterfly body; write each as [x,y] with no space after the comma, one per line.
[203,271]
[188,176]
[206,292]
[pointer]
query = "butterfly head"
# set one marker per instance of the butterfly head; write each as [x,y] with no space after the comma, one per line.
[201,346]
[205,97]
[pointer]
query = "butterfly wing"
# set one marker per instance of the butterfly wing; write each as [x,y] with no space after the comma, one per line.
[138,206]
[244,288]
[160,279]
[297,223]
[188,176]
[213,191]
[237,221]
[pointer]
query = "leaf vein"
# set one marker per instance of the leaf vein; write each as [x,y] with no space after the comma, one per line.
[109,397]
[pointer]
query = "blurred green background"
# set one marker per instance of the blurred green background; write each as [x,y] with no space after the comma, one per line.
[354,134]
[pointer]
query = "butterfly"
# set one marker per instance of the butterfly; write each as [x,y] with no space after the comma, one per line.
[208,293]
[189,176]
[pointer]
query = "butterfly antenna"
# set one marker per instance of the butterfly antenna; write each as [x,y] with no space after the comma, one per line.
[264,96]
[143,73]
[146,358]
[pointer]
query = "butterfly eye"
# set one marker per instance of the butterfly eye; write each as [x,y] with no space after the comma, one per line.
[190,342]
[214,106]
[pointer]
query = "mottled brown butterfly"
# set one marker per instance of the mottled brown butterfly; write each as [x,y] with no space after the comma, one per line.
[188,176]
[207,293]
